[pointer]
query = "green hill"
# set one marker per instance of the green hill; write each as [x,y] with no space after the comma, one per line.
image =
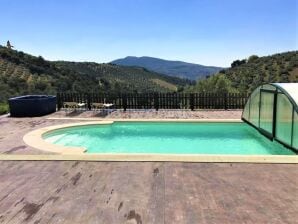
[172,68]
[22,73]
[245,75]
[126,78]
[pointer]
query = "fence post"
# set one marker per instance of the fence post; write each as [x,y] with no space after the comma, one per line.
[192,101]
[88,101]
[58,101]
[124,101]
[226,100]
[156,101]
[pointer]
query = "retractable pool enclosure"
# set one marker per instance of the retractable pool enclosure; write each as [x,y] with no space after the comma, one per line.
[272,109]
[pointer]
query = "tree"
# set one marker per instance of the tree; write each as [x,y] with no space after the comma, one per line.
[8,45]
[238,62]
[252,58]
[223,85]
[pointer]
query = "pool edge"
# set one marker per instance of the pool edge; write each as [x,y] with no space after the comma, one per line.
[35,138]
[154,158]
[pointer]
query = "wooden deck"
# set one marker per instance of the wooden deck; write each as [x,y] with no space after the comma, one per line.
[139,192]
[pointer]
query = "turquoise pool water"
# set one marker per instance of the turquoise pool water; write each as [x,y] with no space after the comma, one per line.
[168,137]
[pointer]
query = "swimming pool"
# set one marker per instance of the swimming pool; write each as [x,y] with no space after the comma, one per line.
[167,138]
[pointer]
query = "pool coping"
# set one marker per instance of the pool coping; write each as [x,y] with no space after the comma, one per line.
[154,158]
[35,140]
[146,119]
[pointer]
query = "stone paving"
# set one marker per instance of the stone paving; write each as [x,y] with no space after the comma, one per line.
[139,192]
[153,114]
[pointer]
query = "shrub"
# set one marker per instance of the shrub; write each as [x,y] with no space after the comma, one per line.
[4,108]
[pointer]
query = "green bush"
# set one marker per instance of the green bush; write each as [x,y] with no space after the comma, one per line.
[4,108]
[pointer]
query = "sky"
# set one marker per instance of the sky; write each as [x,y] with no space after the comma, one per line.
[208,32]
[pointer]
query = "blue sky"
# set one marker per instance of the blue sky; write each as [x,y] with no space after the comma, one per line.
[210,32]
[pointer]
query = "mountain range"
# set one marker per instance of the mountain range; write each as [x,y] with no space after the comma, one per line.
[172,68]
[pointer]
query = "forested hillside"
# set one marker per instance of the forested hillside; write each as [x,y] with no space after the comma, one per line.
[172,68]
[22,73]
[245,75]
[126,78]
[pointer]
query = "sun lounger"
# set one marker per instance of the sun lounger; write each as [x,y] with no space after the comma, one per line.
[97,106]
[108,107]
[73,105]
[105,107]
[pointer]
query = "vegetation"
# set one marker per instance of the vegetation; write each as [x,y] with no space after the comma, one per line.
[245,75]
[4,108]
[22,73]
[171,68]
[214,84]
[126,78]
[165,84]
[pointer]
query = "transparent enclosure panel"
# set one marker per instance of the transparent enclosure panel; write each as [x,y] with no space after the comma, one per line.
[254,107]
[266,113]
[245,114]
[295,134]
[284,110]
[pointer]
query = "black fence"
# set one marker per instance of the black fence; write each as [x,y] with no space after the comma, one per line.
[158,100]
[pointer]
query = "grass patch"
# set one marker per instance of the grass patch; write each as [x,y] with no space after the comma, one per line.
[165,84]
[4,108]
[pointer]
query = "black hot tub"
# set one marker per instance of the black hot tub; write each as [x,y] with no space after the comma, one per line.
[32,105]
